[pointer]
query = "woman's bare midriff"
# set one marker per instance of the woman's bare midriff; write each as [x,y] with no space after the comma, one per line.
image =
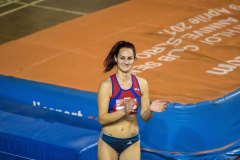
[123,128]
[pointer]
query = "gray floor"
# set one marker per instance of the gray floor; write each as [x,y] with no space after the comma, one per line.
[19,18]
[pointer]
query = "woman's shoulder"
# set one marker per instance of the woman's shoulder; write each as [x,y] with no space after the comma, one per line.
[142,81]
[106,84]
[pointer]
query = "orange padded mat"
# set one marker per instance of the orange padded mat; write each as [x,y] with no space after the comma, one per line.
[189,51]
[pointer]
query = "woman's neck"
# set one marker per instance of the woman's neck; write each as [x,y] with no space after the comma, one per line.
[123,76]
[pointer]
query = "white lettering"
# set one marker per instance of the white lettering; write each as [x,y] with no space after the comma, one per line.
[159,48]
[174,41]
[36,103]
[234,7]
[146,66]
[205,17]
[174,29]
[223,69]
[235,62]
[210,28]
[166,58]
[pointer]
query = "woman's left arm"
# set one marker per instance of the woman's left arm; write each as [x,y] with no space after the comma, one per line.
[145,113]
[157,105]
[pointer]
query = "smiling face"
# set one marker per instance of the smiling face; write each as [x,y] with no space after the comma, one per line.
[125,59]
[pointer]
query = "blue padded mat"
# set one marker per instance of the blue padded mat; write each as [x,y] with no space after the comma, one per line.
[34,138]
[48,122]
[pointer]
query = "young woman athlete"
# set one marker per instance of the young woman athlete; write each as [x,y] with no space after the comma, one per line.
[119,98]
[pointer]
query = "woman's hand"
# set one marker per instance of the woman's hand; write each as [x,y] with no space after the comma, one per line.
[158,105]
[130,105]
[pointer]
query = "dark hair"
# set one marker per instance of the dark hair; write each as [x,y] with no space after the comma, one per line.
[109,62]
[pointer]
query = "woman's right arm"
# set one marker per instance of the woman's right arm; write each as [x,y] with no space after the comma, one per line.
[104,93]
